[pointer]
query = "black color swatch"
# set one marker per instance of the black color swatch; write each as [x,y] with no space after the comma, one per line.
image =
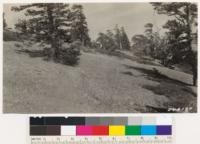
[38,130]
[57,121]
[36,121]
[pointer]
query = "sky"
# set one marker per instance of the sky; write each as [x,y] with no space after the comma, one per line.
[103,16]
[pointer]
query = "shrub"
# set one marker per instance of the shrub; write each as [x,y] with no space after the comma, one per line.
[18,45]
[69,54]
[10,36]
[47,52]
[87,49]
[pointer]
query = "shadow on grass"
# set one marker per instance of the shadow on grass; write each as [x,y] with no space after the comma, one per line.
[143,60]
[121,55]
[155,75]
[129,73]
[180,94]
[45,54]
[32,53]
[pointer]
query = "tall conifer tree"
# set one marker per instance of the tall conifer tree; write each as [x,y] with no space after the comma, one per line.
[79,25]
[180,31]
[48,23]
[124,40]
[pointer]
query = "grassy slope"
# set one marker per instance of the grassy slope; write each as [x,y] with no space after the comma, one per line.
[98,84]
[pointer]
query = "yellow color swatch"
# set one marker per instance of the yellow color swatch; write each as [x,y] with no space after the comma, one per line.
[116,130]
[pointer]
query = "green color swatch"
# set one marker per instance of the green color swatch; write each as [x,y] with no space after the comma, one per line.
[133,130]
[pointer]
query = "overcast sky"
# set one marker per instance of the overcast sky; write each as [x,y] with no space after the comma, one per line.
[103,16]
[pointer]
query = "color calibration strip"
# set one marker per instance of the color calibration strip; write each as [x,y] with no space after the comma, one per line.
[101,126]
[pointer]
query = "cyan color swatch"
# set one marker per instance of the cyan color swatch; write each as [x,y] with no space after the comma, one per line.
[148,130]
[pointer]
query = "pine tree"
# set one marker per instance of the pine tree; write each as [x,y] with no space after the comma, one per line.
[124,40]
[111,42]
[107,41]
[180,31]
[48,23]
[139,44]
[79,25]
[21,26]
[118,37]
[149,34]
[148,29]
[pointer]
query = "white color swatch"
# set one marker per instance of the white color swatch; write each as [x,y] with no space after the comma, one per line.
[68,130]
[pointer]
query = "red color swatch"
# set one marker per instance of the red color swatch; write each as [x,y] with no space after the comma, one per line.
[100,130]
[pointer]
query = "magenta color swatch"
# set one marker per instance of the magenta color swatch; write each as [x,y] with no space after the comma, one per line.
[83,130]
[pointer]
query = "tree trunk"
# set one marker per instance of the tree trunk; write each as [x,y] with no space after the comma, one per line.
[51,30]
[55,48]
[192,56]
[194,68]
[194,81]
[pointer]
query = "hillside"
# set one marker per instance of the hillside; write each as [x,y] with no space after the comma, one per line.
[100,83]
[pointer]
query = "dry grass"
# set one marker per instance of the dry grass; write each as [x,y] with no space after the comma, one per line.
[100,83]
